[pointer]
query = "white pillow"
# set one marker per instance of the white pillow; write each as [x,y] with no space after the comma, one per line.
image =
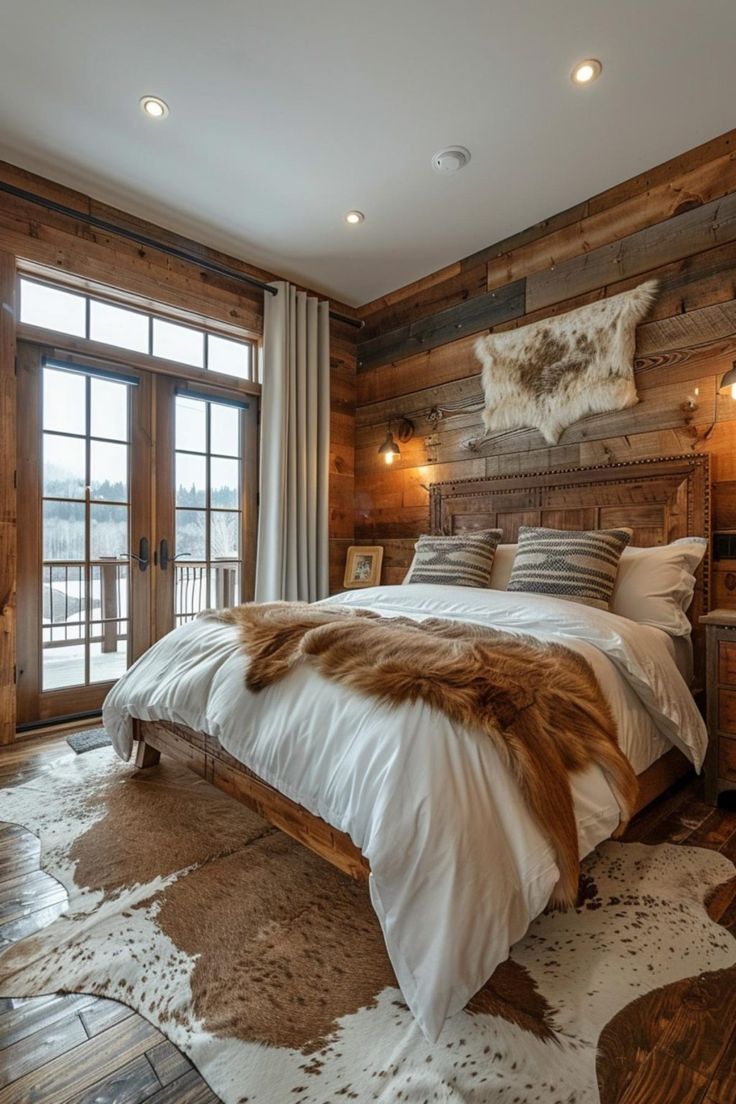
[503,565]
[654,586]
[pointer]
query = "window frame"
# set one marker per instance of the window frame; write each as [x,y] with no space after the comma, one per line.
[204,328]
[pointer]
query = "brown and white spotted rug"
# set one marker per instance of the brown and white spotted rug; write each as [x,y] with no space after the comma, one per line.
[267,967]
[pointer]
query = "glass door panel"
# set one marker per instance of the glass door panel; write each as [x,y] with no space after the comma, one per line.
[84,475]
[85,434]
[208,471]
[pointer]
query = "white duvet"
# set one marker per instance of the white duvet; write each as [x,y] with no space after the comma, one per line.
[458,867]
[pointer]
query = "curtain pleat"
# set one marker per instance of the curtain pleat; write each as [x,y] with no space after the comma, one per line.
[293,549]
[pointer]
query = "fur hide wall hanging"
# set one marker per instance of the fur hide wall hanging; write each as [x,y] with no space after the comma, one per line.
[552,373]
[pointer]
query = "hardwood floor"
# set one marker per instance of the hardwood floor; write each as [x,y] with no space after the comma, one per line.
[84,1050]
[73,1049]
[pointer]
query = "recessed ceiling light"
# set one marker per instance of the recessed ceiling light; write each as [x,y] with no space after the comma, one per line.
[154,107]
[354,217]
[585,72]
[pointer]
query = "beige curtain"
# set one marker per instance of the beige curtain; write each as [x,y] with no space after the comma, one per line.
[293,556]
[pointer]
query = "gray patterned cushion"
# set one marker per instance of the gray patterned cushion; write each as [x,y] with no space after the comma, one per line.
[463,560]
[578,566]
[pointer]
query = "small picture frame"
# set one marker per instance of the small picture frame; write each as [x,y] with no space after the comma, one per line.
[363,566]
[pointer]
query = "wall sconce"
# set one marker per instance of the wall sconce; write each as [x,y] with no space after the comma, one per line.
[728,383]
[389,448]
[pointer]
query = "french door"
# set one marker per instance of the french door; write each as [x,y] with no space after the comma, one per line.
[205,486]
[136,511]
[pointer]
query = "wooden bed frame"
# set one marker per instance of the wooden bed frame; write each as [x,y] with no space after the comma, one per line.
[660,499]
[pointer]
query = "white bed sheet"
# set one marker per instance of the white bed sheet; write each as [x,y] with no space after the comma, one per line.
[681,648]
[458,867]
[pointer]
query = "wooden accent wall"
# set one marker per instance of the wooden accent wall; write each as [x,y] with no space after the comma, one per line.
[30,234]
[415,357]
[342,451]
[7,498]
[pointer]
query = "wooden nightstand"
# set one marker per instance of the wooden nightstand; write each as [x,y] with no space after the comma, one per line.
[720,763]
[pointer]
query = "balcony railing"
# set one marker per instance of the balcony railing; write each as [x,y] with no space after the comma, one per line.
[64,596]
[65,599]
[190,585]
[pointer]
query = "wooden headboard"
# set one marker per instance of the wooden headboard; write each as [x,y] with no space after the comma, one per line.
[660,499]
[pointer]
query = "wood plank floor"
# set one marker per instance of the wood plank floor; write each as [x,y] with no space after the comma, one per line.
[84,1050]
[71,1050]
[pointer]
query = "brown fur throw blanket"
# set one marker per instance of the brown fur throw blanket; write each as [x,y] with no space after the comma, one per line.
[539,703]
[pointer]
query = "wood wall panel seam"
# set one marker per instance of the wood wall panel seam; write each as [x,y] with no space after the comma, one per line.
[701,185]
[691,232]
[472,316]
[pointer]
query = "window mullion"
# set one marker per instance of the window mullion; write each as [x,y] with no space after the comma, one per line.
[184,342]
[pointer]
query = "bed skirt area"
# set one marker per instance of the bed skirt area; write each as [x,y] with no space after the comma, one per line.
[205,756]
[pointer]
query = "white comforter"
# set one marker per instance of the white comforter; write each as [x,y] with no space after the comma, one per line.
[459,868]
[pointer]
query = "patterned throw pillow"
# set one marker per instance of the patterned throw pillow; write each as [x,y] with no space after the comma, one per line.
[570,564]
[464,560]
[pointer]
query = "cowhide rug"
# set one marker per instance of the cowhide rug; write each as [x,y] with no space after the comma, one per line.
[267,967]
[552,373]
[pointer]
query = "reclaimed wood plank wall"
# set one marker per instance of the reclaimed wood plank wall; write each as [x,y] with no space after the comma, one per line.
[59,243]
[415,355]
[8,518]
[342,450]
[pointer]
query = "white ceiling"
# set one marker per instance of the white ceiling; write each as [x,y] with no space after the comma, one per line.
[287,113]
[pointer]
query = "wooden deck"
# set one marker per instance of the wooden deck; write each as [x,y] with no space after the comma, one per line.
[83,1050]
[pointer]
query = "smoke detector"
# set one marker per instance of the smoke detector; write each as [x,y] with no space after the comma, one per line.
[450,160]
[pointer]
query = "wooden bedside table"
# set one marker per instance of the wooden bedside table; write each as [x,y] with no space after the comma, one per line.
[720,762]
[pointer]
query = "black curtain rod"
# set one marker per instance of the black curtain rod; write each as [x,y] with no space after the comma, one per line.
[152,243]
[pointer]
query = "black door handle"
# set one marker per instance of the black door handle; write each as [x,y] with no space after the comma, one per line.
[142,557]
[164,559]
